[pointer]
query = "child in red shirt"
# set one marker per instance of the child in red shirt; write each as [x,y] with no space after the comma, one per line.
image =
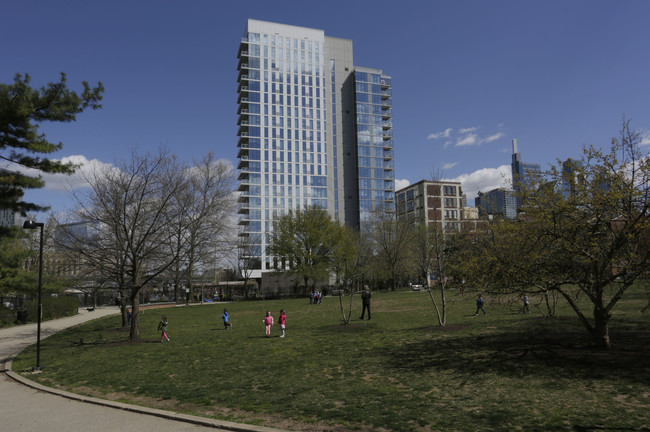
[268,322]
[282,320]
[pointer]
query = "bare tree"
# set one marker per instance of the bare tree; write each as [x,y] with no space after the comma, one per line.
[249,251]
[392,240]
[431,245]
[202,206]
[351,264]
[131,210]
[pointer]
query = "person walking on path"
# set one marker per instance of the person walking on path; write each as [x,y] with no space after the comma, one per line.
[162,326]
[365,300]
[268,322]
[526,302]
[282,321]
[226,320]
[479,305]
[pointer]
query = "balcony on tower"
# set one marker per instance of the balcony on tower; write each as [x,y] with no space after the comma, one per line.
[243,152]
[243,44]
[243,163]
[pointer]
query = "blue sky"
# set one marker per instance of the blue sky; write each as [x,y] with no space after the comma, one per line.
[468,76]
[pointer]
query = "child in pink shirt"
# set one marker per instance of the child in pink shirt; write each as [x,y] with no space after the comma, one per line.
[268,322]
[282,320]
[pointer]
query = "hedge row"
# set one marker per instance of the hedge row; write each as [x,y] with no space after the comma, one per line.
[53,307]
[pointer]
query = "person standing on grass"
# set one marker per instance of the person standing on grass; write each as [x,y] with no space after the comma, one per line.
[268,322]
[282,321]
[365,300]
[162,326]
[226,320]
[479,305]
[526,302]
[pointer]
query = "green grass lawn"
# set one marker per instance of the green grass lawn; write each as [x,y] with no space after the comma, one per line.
[401,371]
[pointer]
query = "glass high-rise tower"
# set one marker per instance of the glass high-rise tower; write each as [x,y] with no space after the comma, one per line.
[313,129]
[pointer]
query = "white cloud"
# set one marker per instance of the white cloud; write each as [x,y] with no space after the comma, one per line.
[445,134]
[401,184]
[645,137]
[62,182]
[494,137]
[484,180]
[449,165]
[465,137]
[468,140]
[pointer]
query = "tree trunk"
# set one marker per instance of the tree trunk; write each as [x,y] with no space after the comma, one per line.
[600,332]
[443,320]
[550,306]
[246,288]
[350,308]
[134,334]
[123,308]
[345,320]
[435,305]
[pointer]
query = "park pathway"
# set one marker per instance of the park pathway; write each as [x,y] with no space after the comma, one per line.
[26,406]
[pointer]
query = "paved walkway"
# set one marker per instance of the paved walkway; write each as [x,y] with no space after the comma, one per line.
[27,406]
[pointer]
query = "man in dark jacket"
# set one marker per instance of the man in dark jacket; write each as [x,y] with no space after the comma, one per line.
[365,299]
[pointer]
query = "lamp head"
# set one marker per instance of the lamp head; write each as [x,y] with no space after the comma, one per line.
[29,224]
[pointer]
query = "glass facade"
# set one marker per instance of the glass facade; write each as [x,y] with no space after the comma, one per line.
[282,130]
[290,82]
[374,138]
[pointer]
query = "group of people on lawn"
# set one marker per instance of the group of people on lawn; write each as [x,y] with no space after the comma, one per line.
[315,298]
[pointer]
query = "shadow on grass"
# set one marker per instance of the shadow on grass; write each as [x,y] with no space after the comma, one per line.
[81,342]
[556,349]
[578,428]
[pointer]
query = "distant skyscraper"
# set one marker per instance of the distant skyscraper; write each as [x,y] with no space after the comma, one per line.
[313,130]
[497,202]
[522,173]
[571,176]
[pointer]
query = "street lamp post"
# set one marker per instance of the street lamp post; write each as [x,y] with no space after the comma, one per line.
[34,225]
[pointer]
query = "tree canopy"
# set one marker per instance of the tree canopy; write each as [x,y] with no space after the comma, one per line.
[583,232]
[22,110]
[307,241]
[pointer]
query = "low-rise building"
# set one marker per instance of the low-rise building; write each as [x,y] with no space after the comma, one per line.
[427,202]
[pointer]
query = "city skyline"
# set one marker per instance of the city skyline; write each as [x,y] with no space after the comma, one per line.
[467,77]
